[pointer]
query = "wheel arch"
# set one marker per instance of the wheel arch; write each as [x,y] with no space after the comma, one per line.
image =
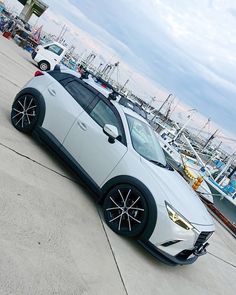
[34,92]
[152,207]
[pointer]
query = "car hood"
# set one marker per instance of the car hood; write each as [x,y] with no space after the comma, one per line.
[178,193]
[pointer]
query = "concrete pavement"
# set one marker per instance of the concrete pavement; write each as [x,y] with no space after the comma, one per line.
[52,239]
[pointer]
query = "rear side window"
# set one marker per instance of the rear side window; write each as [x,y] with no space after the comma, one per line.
[80,93]
[55,49]
[60,76]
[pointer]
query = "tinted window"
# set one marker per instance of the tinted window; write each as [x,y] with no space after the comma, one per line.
[61,77]
[103,114]
[80,93]
[55,48]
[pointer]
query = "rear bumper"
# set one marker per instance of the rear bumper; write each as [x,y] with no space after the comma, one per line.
[183,258]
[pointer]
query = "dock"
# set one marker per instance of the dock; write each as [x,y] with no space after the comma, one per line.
[53,239]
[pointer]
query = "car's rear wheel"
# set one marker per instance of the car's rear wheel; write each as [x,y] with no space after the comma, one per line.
[44,65]
[25,113]
[125,210]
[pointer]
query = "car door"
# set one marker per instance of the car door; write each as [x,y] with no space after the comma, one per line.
[67,97]
[88,144]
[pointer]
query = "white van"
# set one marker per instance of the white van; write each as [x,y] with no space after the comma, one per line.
[48,55]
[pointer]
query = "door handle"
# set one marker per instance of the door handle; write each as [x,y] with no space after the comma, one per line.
[52,91]
[82,125]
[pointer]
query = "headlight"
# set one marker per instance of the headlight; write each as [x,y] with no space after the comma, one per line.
[177,218]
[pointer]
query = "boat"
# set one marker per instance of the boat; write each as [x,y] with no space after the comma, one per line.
[185,165]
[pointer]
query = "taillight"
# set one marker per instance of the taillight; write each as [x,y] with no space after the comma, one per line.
[38,73]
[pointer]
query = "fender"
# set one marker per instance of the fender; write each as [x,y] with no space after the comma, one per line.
[152,208]
[34,92]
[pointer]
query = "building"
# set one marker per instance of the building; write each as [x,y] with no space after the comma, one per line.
[36,7]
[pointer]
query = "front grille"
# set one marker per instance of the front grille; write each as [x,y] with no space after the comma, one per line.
[202,238]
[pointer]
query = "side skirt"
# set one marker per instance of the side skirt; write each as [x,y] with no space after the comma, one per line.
[50,141]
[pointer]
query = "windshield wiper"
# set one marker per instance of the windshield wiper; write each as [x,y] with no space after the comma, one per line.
[167,166]
[157,163]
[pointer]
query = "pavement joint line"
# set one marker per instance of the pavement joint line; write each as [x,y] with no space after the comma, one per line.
[14,61]
[4,78]
[38,163]
[112,252]
[221,259]
[73,180]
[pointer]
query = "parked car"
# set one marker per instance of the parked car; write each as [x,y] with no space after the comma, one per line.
[48,55]
[117,154]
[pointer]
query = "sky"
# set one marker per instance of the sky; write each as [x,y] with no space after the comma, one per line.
[187,48]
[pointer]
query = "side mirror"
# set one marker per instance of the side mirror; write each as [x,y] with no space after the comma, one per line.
[111,131]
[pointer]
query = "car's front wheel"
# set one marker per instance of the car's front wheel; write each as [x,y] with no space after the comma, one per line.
[125,210]
[44,65]
[25,113]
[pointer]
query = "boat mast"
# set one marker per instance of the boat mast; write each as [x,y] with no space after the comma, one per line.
[159,110]
[185,124]
[165,101]
[204,126]
[210,139]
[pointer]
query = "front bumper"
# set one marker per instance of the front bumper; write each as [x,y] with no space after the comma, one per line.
[33,54]
[183,258]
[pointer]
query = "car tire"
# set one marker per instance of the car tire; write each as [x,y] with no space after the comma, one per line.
[44,65]
[125,210]
[25,113]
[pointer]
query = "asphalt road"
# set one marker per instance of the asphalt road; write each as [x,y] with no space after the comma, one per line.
[52,238]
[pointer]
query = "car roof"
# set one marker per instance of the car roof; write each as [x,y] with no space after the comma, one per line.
[90,81]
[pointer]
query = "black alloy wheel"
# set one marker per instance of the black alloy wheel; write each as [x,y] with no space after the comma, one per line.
[25,113]
[125,210]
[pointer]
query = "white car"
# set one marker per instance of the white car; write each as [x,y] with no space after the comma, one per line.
[117,154]
[49,55]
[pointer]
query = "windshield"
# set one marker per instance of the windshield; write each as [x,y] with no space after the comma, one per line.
[145,141]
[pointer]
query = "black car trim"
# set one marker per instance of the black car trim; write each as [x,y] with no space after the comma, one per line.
[165,257]
[152,216]
[38,95]
[50,140]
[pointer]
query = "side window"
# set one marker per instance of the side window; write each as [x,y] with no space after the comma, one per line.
[80,93]
[55,48]
[103,114]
